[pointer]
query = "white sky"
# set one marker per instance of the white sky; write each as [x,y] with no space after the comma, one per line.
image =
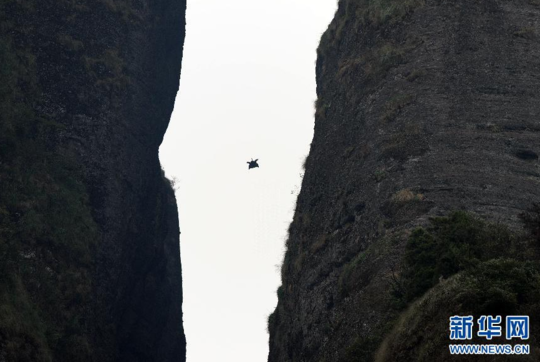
[247,91]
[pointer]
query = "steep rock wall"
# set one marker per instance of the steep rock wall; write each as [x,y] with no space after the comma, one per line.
[89,234]
[424,107]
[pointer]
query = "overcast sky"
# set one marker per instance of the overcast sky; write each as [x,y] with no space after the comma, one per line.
[247,91]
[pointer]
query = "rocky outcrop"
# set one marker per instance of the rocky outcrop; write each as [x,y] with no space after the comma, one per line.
[89,234]
[424,107]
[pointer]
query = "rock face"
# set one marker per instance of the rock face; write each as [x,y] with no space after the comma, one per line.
[424,107]
[89,233]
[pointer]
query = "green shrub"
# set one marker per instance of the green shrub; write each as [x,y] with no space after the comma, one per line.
[345,277]
[394,106]
[362,349]
[452,244]
[379,175]
[460,265]
[500,286]
[531,222]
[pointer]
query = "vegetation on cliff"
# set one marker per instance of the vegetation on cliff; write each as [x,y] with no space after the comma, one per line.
[459,265]
[453,244]
[88,237]
[463,265]
[47,233]
[415,118]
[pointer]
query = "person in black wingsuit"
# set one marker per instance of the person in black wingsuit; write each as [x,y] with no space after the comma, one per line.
[253,164]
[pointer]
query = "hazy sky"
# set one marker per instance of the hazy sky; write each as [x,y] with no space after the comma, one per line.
[247,91]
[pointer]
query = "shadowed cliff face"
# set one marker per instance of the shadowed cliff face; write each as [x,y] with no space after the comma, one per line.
[424,107]
[88,222]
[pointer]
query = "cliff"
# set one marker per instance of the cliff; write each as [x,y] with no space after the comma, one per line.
[89,248]
[424,108]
